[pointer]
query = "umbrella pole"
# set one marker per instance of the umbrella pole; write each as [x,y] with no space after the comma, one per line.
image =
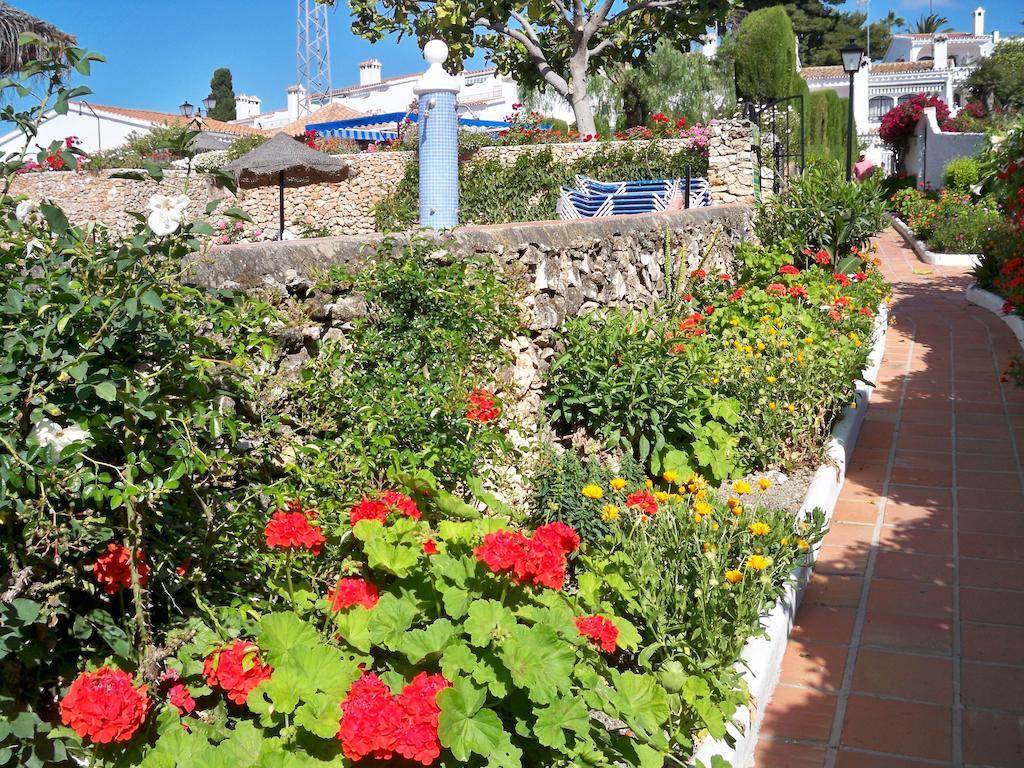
[280,204]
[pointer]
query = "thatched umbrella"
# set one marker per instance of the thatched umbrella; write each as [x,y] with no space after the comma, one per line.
[13,24]
[288,163]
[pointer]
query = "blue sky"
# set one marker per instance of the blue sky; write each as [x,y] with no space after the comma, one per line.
[160,53]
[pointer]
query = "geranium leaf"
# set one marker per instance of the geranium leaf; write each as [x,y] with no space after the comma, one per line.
[641,702]
[539,662]
[320,715]
[390,619]
[420,643]
[354,627]
[563,715]
[395,559]
[457,658]
[282,634]
[488,620]
[491,672]
[465,728]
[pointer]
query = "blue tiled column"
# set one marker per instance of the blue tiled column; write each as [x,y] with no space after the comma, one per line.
[439,160]
[439,141]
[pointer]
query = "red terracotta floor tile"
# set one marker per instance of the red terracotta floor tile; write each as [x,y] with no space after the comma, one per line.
[1004,498]
[994,574]
[772,753]
[824,624]
[849,534]
[898,727]
[910,598]
[998,522]
[834,590]
[921,678]
[993,739]
[991,546]
[1001,447]
[850,560]
[847,511]
[992,643]
[990,686]
[985,480]
[851,758]
[930,569]
[916,634]
[921,495]
[992,606]
[916,540]
[799,713]
[816,665]
[918,515]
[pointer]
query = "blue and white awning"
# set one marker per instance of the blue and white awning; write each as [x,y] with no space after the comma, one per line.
[376,127]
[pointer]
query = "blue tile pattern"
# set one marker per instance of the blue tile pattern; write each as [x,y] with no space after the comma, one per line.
[439,160]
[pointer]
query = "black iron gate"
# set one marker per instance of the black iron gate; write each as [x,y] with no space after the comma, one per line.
[780,126]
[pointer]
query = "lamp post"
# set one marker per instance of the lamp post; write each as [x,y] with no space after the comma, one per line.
[186,109]
[852,55]
[209,103]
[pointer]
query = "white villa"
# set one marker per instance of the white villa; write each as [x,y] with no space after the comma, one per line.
[935,64]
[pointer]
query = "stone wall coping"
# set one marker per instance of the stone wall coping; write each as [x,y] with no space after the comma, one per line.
[247,264]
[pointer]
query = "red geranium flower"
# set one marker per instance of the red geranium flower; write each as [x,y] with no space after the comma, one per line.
[396,501]
[105,706]
[429,547]
[737,294]
[698,274]
[349,592]
[842,279]
[292,530]
[236,669]
[644,501]
[797,292]
[539,560]
[866,312]
[378,509]
[788,269]
[822,258]
[601,631]
[112,570]
[180,696]
[560,535]
[775,289]
[368,509]
[501,550]
[483,407]
[418,738]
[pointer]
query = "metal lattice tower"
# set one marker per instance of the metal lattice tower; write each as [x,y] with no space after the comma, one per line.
[312,52]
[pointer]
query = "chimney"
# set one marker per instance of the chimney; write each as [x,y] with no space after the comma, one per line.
[979,21]
[296,98]
[940,52]
[247,106]
[369,72]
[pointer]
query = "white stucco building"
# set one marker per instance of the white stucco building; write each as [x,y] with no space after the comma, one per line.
[934,64]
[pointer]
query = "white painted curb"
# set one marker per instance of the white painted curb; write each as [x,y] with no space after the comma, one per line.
[761,660]
[993,302]
[931,257]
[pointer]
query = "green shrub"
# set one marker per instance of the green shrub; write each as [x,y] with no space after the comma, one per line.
[394,390]
[244,144]
[493,192]
[161,144]
[998,246]
[766,56]
[964,227]
[962,173]
[820,210]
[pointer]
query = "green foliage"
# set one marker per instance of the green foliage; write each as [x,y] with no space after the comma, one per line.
[954,223]
[826,125]
[998,79]
[158,146]
[222,89]
[820,210]
[961,174]
[245,144]
[492,191]
[766,56]
[394,390]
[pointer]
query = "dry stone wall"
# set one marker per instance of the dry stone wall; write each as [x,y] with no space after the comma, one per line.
[345,208]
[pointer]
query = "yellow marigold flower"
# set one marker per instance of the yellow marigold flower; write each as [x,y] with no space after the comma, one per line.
[737,345]
[764,483]
[854,405]
[649,484]
[804,526]
[771,406]
[592,491]
[618,483]
[784,344]
[737,510]
[802,544]
[661,496]
[809,340]
[734,321]
[702,508]
[773,332]
[758,562]
[784,540]
[741,487]
[760,529]
[733,502]
[714,526]
[670,476]
[733,577]
[675,497]
[790,407]
[760,346]
[609,512]
[697,518]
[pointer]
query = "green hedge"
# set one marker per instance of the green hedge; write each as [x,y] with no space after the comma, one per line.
[492,192]
[766,56]
[825,116]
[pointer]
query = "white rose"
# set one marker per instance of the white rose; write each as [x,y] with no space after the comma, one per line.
[57,438]
[167,213]
[24,210]
[162,223]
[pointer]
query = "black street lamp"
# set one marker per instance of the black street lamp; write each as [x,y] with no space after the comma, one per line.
[186,110]
[209,103]
[852,55]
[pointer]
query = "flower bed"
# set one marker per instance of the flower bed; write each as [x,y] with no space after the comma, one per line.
[949,230]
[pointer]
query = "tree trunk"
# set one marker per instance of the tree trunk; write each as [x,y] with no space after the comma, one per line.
[579,97]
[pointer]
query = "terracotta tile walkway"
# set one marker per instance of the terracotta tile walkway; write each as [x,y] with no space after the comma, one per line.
[909,647]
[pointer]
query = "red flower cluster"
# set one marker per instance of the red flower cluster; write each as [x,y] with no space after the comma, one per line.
[105,706]
[112,570]
[899,122]
[177,692]
[380,508]
[429,547]
[601,631]
[797,292]
[538,560]
[349,592]
[376,723]
[842,279]
[1010,283]
[292,530]
[788,269]
[644,501]
[775,289]
[737,294]
[821,257]
[483,407]
[236,669]
[691,326]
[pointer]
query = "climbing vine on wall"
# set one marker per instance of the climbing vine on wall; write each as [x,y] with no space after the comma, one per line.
[494,192]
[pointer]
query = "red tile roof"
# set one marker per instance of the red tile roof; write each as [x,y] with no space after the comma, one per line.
[323,115]
[821,72]
[167,118]
[891,67]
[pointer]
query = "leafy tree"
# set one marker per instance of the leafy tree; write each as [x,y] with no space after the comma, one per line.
[930,24]
[766,56]
[998,80]
[221,88]
[549,44]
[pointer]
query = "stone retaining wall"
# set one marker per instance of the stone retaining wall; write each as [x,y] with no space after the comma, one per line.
[563,268]
[345,208]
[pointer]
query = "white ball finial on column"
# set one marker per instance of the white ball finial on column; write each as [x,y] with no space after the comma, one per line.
[435,52]
[435,78]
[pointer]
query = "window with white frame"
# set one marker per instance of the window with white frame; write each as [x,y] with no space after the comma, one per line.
[877,108]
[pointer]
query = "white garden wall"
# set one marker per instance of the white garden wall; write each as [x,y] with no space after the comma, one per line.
[930,150]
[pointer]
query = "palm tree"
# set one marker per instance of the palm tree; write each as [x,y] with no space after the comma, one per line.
[930,24]
[13,24]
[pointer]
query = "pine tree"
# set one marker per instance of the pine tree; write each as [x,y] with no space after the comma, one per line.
[222,90]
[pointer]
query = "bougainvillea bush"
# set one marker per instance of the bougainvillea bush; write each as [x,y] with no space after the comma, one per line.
[899,122]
